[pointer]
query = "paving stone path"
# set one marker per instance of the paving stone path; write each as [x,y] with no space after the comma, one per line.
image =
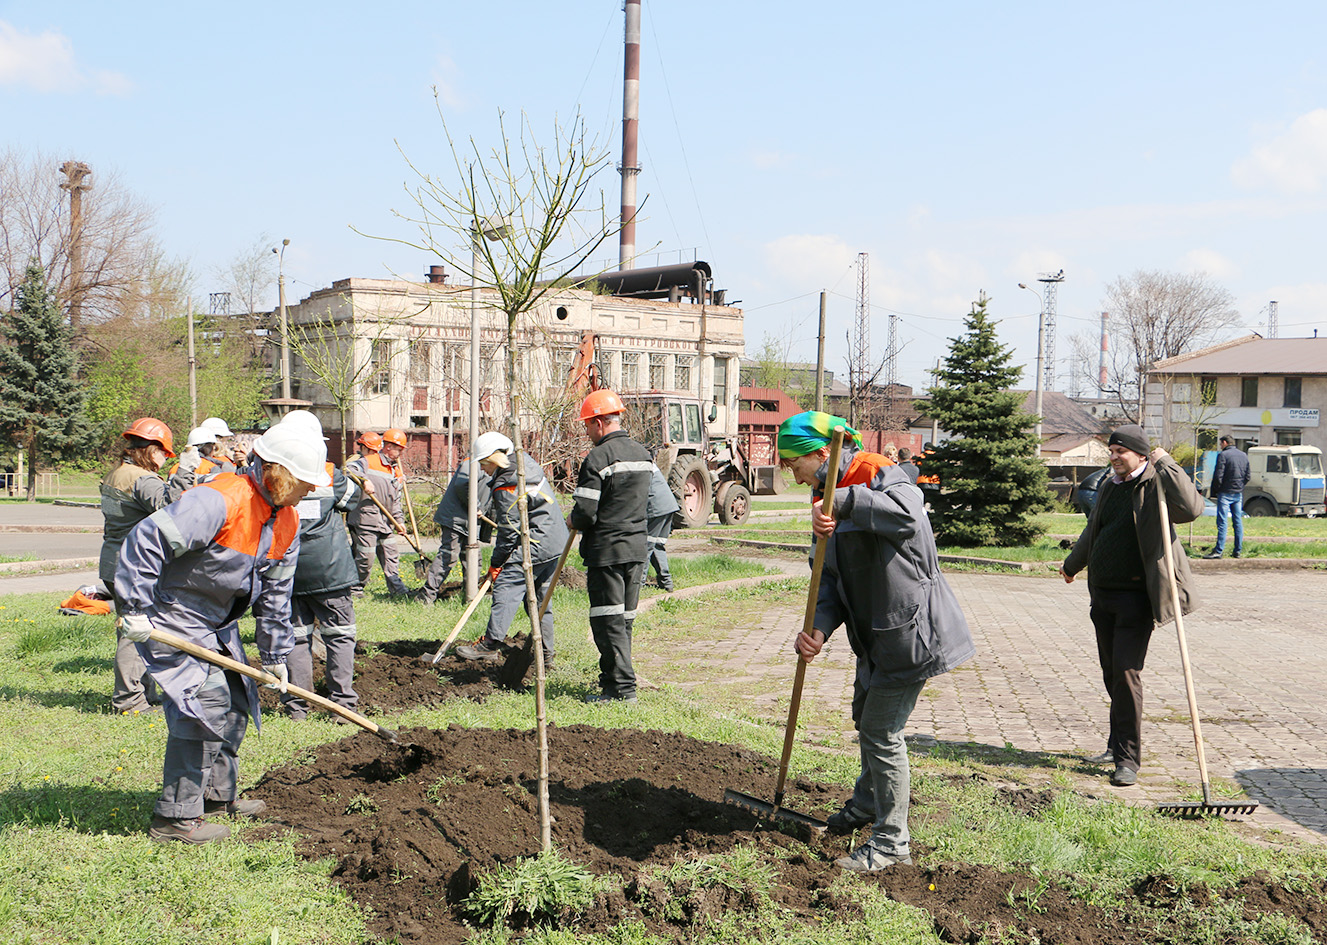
[1257,648]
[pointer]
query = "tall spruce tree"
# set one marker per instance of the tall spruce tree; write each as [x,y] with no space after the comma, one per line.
[41,400]
[991,480]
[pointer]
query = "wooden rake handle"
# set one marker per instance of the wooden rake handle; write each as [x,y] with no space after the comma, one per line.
[390,517]
[465,616]
[553,582]
[267,679]
[808,621]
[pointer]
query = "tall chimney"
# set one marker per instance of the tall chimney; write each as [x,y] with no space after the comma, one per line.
[630,131]
[1101,365]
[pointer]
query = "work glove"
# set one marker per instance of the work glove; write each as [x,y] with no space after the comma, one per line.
[136,627]
[494,572]
[282,674]
[189,459]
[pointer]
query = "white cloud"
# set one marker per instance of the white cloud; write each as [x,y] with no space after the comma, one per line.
[45,62]
[815,259]
[771,160]
[1294,162]
[1210,262]
[446,75]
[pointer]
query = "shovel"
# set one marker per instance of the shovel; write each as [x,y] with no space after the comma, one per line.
[519,661]
[422,564]
[1208,807]
[776,810]
[266,678]
[465,616]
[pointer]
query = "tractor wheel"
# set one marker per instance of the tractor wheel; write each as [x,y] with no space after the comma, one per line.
[734,503]
[1260,507]
[690,481]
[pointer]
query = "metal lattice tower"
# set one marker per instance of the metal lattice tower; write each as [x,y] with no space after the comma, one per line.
[1271,320]
[891,364]
[1051,280]
[860,366]
[218,303]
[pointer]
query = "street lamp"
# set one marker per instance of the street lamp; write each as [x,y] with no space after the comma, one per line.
[493,228]
[1041,350]
[281,301]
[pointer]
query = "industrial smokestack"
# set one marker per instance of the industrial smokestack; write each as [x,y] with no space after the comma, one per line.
[1101,365]
[437,275]
[630,132]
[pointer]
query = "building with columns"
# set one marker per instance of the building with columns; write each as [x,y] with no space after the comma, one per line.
[392,353]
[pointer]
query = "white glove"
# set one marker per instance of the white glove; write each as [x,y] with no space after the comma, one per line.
[136,627]
[280,671]
[189,459]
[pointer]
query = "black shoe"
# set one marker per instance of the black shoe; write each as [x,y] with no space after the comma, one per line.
[1212,554]
[485,651]
[850,818]
[1124,777]
[1107,757]
[1237,555]
[240,807]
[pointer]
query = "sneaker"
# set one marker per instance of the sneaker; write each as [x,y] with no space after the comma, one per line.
[867,859]
[850,818]
[193,830]
[1212,554]
[1237,555]
[1107,757]
[483,649]
[240,807]
[595,697]
[1124,777]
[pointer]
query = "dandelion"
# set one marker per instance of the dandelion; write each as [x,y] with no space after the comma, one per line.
[118,768]
[931,887]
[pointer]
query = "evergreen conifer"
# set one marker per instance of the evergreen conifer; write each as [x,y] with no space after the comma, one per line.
[991,479]
[41,400]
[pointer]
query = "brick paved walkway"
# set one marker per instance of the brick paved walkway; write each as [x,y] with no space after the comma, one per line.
[1256,646]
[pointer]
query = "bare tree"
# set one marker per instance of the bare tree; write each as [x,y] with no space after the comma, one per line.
[1153,315]
[115,246]
[526,212]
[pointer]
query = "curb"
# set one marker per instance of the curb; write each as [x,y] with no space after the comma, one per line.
[52,529]
[51,564]
[949,559]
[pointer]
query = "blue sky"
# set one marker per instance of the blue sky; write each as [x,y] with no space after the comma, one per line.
[964,146]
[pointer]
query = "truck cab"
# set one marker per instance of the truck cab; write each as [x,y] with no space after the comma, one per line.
[1285,480]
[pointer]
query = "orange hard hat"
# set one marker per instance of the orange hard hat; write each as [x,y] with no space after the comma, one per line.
[150,428]
[370,441]
[601,403]
[396,437]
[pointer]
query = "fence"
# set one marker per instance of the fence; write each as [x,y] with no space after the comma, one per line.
[48,484]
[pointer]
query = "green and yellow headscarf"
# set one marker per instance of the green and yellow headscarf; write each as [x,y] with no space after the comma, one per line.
[809,431]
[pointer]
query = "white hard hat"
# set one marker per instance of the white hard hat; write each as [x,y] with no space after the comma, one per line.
[304,420]
[303,454]
[199,436]
[492,442]
[217,426]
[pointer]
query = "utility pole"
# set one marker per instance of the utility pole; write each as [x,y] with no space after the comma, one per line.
[630,166]
[1051,281]
[860,365]
[1101,364]
[285,336]
[76,181]
[820,357]
[193,369]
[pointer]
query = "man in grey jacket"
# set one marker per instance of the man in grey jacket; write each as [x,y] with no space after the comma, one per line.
[882,582]
[1123,548]
[660,507]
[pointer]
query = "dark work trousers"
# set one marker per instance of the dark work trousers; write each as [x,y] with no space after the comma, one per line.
[450,550]
[197,767]
[332,617]
[658,529]
[1124,626]
[509,594]
[614,591]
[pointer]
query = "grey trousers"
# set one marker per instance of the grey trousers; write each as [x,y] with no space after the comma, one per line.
[134,688]
[885,783]
[365,545]
[449,552]
[509,594]
[658,529]
[197,767]
[614,591]
[332,617]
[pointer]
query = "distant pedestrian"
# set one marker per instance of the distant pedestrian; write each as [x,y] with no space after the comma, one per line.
[660,508]
[882,583]
[1228,481]
[612,492]
[1123,549]
[907,465]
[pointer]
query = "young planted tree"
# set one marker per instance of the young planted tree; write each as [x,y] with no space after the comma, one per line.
[41,401]
[991,479]
[525,214]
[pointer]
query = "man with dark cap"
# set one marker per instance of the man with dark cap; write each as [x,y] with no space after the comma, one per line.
[1229,478]
[1122,548]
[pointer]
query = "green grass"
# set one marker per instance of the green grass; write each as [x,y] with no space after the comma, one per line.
[1072,524]
[11,559]
[77,785]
